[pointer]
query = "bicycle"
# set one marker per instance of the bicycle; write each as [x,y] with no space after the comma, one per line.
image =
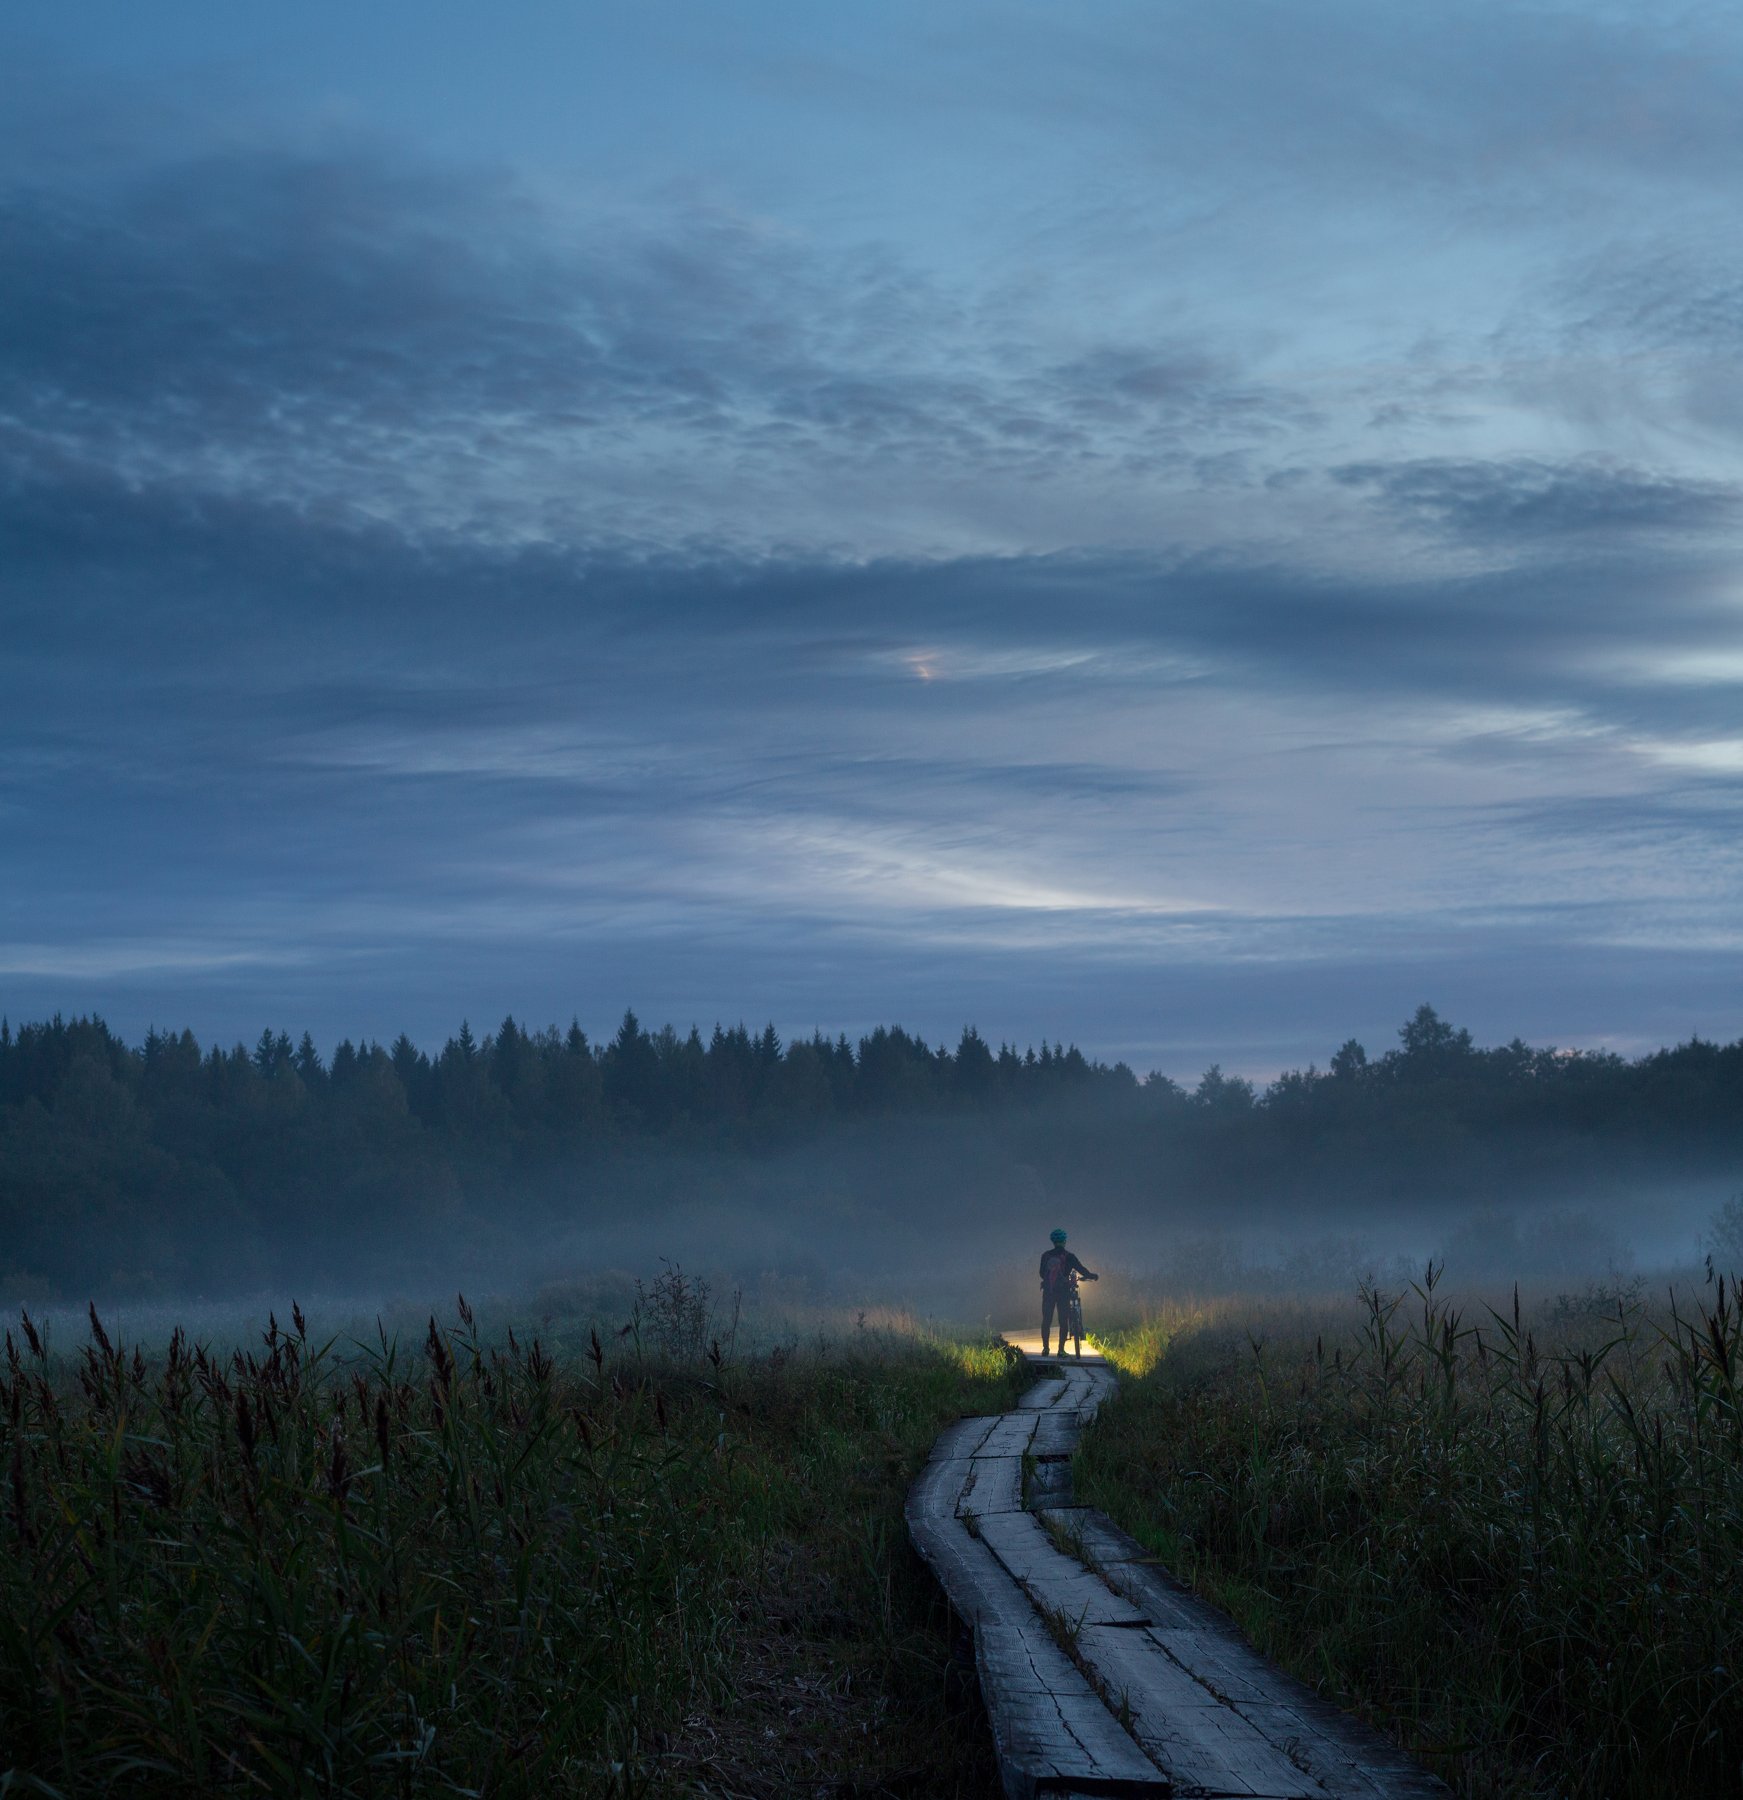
[1071,1319]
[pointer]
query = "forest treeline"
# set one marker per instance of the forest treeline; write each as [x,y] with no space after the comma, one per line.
[168,1165]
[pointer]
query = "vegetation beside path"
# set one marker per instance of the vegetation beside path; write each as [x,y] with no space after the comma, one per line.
[1516,1540]
[651,1564]
[667,1563]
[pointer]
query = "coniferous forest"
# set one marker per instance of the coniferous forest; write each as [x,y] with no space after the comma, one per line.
[171,1168]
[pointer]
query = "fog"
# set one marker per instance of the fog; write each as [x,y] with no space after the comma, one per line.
[949,1222]
[946,1220]
[546,1170]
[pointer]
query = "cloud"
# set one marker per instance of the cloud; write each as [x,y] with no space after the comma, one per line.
[1698,822]
[355,332]
[1514,502]
[1654,292]
[361,640]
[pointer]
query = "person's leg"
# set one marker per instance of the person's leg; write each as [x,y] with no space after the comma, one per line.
[1047,1324]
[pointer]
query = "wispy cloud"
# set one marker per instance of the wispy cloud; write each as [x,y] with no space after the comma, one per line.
[1502,504]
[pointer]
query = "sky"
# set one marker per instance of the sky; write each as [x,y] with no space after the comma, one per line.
[1189,530]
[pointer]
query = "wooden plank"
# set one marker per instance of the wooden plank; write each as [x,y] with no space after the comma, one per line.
[1050,1577]
[1048,1724]
[995,1485]
[1011,1436]
[1137,1574]
[1049,1483]
[1227,1665]
[1056,1433]
[971,1576]
[1347,1756]
[963,1438]
[1201,1743]
[1102,1387]
[939,1487]
[1049,1728]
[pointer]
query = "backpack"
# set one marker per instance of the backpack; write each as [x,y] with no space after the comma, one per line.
[1058,1269]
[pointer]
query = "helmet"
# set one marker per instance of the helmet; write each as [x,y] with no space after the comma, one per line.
[1059,1237]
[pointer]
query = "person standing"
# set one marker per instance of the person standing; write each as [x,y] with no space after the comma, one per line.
[1058,1267]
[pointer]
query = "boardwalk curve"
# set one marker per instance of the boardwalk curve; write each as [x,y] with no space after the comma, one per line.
[1101,1674]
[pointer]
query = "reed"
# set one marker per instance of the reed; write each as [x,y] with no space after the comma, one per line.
[472,1567]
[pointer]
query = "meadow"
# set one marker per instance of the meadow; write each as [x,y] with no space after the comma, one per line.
[667,1556]
[657,1561]
[1511,1535]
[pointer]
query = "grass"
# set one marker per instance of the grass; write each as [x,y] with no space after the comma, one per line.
[1515,1540]
[649,1564]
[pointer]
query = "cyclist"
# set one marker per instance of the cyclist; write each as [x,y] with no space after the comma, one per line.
[1059,1272]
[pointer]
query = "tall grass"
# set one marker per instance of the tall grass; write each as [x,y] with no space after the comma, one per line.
[1518,1541]
[341,1568]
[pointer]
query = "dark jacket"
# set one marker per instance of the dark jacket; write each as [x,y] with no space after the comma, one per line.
[1067,1263]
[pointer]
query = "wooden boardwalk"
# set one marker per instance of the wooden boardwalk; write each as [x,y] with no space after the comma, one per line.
[1101,1673]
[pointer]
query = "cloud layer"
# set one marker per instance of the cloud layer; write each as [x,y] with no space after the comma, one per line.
[431,589]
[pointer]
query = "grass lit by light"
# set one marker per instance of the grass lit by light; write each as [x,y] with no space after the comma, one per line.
[1137,1349]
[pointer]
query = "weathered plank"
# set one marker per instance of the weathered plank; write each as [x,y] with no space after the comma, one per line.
[995,1485]
[1048,1483]
[1050,1729]
[937,1486]
[1099,1387]
[1131,1570]
[1011,1436]
[1348,1758]
[1049,1726]
[1052,1580]
[963,1438]
[1202,1743]
[1056,1433]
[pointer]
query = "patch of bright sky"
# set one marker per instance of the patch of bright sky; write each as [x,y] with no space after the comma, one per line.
[1717,667]
[1716,756]
[177,955]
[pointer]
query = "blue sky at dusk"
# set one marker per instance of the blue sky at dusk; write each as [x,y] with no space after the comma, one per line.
[1187,529]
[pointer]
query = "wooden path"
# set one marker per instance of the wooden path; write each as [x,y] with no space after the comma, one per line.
[1101,1674]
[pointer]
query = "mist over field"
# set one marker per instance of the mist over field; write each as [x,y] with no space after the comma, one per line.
[950,1218]
[814,1175]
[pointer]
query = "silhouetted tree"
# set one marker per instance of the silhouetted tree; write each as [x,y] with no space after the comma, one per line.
[167,1164]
